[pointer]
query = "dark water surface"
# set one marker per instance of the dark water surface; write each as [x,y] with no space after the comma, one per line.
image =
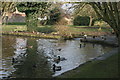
[34,57]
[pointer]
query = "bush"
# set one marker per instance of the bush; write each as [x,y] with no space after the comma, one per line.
[55,15]
[46,29]
[81,21]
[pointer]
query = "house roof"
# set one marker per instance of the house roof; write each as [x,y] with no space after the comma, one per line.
[19,13]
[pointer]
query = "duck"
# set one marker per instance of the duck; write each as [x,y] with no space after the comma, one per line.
[94,37]
[14,60]
[84,44]
[34,66]
[80,45]
[48,57]
[58,59]
[56,68]
[85,36]
[30,46]
[59,49]
[103,38]
[61,58]
[37,40]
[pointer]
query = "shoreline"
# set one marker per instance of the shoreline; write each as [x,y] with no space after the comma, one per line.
[98,58]
[109,40]
[23,34]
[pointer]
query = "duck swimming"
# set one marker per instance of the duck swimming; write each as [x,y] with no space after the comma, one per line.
[59,49]
[14,60]
[80,45]
[56,68]
[61,58]
[34,66]
[58,59]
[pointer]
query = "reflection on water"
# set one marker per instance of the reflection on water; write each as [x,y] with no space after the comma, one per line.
[20,50]
[34,58]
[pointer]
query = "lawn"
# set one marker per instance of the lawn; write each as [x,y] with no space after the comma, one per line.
[50,28]
[13,27]
[107,68]
[90,28]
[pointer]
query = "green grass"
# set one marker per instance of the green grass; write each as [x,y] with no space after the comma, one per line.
[81,26]
[13,27]
[88,30]
[46,29]
[85,26]
[45,26]
[96,69]
[91,29]
[50,28]
[76,26]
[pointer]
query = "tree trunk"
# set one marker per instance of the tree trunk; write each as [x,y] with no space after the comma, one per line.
[119,43]
[109,12]
[31,22]
[91,20]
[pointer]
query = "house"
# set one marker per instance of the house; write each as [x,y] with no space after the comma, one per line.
[12,17]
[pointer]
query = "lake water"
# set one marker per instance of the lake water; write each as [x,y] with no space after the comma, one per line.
[34,57]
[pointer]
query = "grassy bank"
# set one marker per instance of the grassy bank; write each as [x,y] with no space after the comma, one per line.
[7,28]
[90,30]
[48,29]
[96,69]
[47,36]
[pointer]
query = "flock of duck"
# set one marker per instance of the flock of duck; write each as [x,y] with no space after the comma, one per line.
[56,59]
[20,52]
[57,68]
[102,37]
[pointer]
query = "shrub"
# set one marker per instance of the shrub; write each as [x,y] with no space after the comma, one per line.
[55,15]
[81,21]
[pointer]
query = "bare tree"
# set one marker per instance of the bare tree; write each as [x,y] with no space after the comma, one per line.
[110,13]
[84,9]
[6,7]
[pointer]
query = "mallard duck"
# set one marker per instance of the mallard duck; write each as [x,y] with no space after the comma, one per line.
[84,44]
[94,37]
[56,60]
[56,68]
[34,66]
[80,45]
[61,58]
[103,38]
[59,49]
[14,60]
[48,57]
